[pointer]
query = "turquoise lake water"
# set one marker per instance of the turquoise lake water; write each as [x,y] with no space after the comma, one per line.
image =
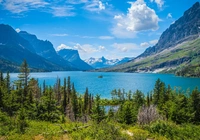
[103,86]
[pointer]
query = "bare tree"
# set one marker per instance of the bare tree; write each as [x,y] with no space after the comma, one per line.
[147,114]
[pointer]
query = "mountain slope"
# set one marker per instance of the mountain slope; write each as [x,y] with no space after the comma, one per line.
[45,49]
[14,49]
[178,46]
[8,36]
[73,57]
[184,29]
[124,60]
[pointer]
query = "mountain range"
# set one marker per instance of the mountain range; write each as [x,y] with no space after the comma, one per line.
[40,55]
[178,47]
[105,63]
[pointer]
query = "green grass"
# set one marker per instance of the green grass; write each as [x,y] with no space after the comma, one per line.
[160,130]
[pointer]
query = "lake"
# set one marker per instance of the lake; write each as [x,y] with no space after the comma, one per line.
[112,80]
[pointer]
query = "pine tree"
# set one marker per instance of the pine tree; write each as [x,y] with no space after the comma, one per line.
[24,74]
[125,113]
[23,79]
[64,105]
[57,90]
[111,113]
[22,120]
[1,79]
[33,90]
[44,87]
[195,97]
[98,112]
[1,98]
[74,102]
[86,101]
[159,93]
[68,90]
[148,100]
[90,104]
[168,94]
[7,79]
[138,99]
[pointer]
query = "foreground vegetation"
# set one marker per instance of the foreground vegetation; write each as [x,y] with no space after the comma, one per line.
[31,111]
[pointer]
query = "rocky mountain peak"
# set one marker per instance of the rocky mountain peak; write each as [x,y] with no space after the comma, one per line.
[73,57]
[69,54]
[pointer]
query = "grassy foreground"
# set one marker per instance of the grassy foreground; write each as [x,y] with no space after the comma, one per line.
[106,130]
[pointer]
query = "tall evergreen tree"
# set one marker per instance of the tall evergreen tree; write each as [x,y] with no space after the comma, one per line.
[7,79]
[64,105]
[44,86]
[23,78]
[1,98]
[148,99]
[86,101]
[159,93]
[195,97]
[24,74]
[1,78]
[138,99]
[74,102]
[57,91]
[68,89]
[98,111]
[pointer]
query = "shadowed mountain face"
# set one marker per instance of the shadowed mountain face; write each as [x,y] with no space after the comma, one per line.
[14,49]
[73,57]
[45,49]
[8,36]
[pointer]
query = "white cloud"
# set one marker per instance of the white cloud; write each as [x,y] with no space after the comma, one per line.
[62,11]
[88,37]
[18,6]
[76,1]
[63,46]
[88,50]
[106,37]
[144,44]
[169,15]
[95,6]
[121,50]
[139,18]
[147,44]
[153,42]
[53,7]
[59,35]
[125,47]
[101,48]
[17,30]
[118,16]
[101,6]
[85,50]
[159,3]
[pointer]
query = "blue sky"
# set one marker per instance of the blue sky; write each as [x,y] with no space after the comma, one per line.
[110,28]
